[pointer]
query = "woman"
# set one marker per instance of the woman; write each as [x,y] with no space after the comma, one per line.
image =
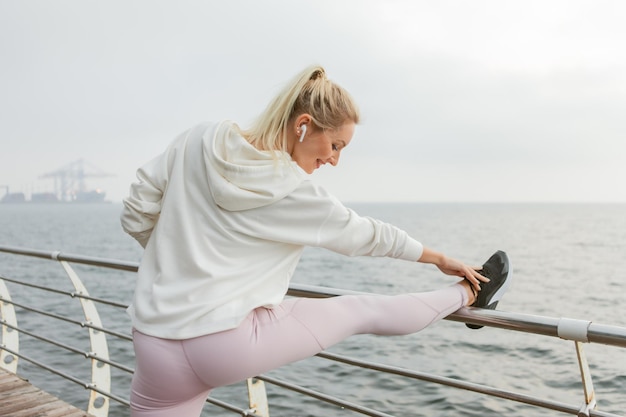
[223,215]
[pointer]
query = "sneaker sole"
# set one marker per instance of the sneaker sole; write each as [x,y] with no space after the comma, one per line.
[504,288]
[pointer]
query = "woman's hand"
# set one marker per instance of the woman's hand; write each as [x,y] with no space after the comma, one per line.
[453,267]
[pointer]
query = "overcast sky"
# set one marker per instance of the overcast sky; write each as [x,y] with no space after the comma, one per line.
[461,100]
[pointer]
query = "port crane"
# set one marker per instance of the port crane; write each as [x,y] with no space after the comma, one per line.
[69,180]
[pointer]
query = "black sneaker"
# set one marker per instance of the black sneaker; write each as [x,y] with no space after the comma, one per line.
[498,270]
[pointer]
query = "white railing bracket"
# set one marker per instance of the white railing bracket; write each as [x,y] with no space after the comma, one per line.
[10,336]
[100,374]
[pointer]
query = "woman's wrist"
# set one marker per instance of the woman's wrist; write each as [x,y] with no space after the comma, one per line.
[429,256]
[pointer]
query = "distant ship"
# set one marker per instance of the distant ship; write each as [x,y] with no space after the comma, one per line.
[69,187]
[13,197]
[94,196]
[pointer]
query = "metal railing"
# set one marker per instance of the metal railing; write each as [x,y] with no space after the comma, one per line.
[99,383]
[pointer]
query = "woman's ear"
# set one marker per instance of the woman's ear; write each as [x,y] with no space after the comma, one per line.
[302,123]
[303,119]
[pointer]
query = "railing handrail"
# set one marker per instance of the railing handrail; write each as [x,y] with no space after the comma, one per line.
[564,328]
[79,259]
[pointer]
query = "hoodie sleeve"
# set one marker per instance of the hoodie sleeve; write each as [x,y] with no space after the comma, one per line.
[143,205]
[310,216]
[350,234]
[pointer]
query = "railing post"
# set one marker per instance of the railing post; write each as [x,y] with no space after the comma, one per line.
[578,331]
[590,393]
[10,336]
[100,371]
[258,398]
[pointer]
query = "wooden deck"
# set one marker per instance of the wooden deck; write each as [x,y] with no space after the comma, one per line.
[18,398]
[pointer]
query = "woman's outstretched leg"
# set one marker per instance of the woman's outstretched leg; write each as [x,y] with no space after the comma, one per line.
[334,319]
[300,328]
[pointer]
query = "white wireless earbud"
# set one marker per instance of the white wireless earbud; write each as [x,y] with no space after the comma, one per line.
[303,128]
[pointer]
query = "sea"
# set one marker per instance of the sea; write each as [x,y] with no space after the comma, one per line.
[568,260]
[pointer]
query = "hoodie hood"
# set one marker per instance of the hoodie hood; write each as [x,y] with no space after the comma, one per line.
[242,177]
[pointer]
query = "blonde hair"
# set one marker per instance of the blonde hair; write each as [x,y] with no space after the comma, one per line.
[311,92]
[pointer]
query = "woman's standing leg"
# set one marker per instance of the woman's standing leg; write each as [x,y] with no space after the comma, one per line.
[164,384]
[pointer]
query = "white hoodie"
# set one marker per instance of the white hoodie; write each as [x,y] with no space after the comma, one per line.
[224,224]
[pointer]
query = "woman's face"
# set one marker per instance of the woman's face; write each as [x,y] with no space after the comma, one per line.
[320,147]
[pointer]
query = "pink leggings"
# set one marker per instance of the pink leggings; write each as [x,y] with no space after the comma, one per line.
[174,377]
